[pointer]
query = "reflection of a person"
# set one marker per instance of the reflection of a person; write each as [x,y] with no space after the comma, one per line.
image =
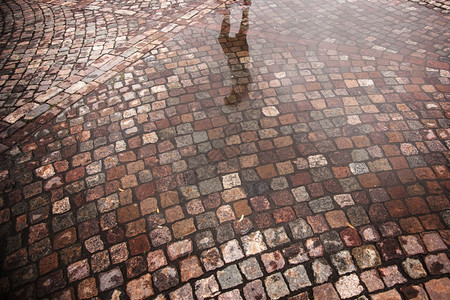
[236,50]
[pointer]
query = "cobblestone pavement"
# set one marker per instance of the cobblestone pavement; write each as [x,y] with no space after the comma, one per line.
[195,150]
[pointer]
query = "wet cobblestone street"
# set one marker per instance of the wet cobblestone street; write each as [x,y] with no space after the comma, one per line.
[189,149]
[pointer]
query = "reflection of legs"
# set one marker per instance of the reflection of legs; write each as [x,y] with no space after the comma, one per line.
[225,28]
[243,29]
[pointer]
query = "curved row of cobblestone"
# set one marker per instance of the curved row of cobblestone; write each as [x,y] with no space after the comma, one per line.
[437,5]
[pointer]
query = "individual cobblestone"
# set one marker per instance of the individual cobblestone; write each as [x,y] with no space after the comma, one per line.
[229,277]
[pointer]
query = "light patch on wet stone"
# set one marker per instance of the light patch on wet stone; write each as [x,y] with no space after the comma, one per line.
[353,120]
[349,286]
[121,146]
[365,82]
[20,112]
[127,123]
[45,172]
[317,161]
[61,206]
[270,111]
[300,194]
[253,243]
[231,180]
[231,251]
[344,200]
[358,168]
[408,149]
[301,163]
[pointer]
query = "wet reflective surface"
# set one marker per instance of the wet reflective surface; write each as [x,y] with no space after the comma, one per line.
[242,150]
